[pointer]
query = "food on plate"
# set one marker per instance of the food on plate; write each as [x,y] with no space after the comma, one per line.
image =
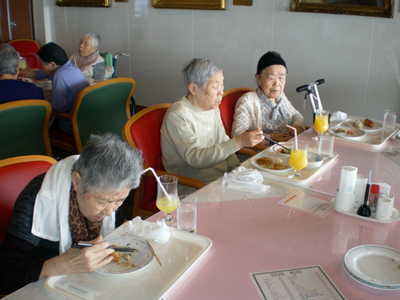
[284,151]
[344,130]
[126,256]
[357,124]
[369,122]
[270,163]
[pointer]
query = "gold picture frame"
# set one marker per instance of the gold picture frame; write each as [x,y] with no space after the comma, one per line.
[345,7]
[86,3]
[190,4]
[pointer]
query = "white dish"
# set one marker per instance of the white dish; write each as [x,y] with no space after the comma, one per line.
[396,137]
[358,133]
[377,126]
[277,149]
[138,260]
[314,160]
[285,166]
[395,215]
[375,265]
[363,282]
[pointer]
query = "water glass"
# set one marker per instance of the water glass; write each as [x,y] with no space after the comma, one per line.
[187,213]
[389,120]
[326,143]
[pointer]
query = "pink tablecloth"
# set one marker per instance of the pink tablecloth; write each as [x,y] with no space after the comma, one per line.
[260,235]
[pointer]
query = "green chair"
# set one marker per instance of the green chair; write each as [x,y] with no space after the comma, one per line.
[108,60]
[24,128]
[109,66]
[100,108]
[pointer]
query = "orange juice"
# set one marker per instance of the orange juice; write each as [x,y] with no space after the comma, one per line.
[321,123]
[298,159]
[167,205]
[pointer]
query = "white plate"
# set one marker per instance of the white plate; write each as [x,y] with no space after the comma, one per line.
[285,163]
[377,126]
[277,148]
[396,137]
[363,282]
[353,213]
[358,133]
[138,260]
[375,265]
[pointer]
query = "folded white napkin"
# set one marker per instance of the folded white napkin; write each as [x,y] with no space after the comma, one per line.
[244,180]
[338,116]
[158,232]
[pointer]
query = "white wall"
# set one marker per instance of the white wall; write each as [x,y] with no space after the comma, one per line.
[357,56]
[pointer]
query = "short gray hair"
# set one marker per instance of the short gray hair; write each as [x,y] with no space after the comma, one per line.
[9,59]
[108,164]
[198,71]
[95,38]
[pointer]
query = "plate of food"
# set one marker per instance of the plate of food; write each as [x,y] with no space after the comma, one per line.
[367,125]
[347,132]
[278,149]
[271,163]
[128,262]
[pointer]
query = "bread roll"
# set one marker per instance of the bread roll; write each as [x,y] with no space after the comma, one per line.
[369,122]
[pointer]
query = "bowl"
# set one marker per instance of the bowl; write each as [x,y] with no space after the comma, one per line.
[314,160]
[277,149]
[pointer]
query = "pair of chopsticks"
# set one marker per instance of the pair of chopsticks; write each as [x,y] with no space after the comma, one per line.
[120,249]
[272,141]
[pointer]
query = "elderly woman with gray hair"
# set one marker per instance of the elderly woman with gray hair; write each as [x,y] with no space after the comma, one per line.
[88,58]
[78,199]
[193,138]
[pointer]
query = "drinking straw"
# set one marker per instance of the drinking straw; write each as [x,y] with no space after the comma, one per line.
[295,136]
[157,178]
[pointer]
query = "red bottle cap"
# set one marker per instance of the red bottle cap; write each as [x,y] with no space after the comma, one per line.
[375,188]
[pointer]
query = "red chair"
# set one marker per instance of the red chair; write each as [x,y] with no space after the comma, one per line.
[15,174]
[27,48]
[142,131]
[227,110]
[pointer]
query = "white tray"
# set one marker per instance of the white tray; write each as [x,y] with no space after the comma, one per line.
[307,175]
[177,256]
[395,215]
[375,138]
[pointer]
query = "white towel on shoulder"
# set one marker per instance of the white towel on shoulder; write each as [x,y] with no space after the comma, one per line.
[50,214]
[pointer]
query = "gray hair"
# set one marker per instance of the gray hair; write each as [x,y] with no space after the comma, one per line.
[94,36]
[198,71]
[108,164]
[9,59]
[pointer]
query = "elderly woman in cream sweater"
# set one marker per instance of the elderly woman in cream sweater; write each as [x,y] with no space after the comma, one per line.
[193,138]
[267,107]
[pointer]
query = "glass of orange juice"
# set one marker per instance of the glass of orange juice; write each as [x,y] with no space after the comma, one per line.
[298,159]
[169,201]
[321,121]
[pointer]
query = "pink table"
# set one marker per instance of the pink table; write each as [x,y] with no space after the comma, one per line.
[260,235]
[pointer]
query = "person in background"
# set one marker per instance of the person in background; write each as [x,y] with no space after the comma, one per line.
[12,89]
[268,107]
[78,200]
[88,58]
[67,80]
[193,138]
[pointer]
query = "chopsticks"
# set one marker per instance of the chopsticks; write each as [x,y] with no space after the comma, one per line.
[154,252]
[272,141]
[120,249]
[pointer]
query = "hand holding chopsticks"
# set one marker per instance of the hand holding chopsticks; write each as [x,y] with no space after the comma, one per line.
[272,141]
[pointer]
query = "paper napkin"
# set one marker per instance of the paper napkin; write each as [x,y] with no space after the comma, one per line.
[158,232]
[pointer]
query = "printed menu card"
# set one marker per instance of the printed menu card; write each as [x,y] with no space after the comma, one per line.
[296,284]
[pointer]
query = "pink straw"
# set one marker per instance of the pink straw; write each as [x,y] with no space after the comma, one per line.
[295,136]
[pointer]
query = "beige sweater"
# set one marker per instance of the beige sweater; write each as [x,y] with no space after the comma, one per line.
[194,143]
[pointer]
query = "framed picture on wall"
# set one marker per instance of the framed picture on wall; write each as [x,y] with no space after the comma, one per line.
[373,8]
[91,3]
[190,4]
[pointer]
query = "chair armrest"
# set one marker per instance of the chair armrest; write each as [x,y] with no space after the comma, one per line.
[194,183]
[260,147]
[58,114]
[247,151]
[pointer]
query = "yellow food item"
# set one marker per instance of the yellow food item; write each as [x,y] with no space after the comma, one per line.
[357,124]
